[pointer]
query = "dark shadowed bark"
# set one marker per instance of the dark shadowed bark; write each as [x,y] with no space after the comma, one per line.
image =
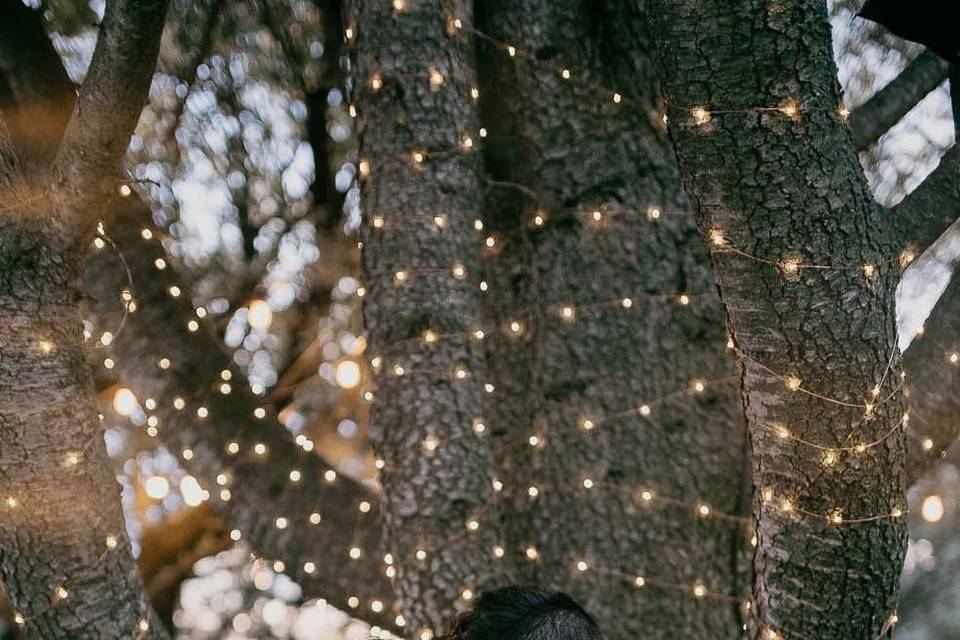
[818,345]
[887,106]
[417,126]
[578,371]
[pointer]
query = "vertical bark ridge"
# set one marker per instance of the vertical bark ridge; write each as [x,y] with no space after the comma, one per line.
[786,186]
[560,146]
[414,79]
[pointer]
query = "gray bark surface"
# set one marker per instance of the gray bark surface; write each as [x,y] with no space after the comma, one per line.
[572,150]
[782,188]
[436,477]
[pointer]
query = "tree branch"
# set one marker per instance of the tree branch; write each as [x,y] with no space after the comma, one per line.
[260,488]
[877,115]
[931,208]
[109,105]
[934,381]
[137,352]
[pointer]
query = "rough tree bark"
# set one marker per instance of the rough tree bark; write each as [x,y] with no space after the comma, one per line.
[64,557]
[818,345]
[562,148]
[417,127]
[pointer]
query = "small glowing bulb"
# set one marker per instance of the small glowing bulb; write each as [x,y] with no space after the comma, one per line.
[512,51]
[472,525]
[280,523]
[828,458]
[259,315]
[295,475]
[330,475]
[440,221]
[499,551]
[626,303]
[516,327]
[684,299]
[459,271]
[653,213]
[124,402]
[377,222]
[716,237]
[174,291]
[790,109]
[843,112]
[932,508]
[700,115]
[617,98]
[61,593]
[431,442]
[588,483]
[644,410]
[112,542]
[418,157]
[160,264]
[260,449]
[315,518]
[704,510]
[699,386]
[146,234]
[532,553]
[699,590]
[582,566]
[421,554]
[646,495]
[835,516]
[793,383]
[479,426]
[401,276]
[11,502]
[868,270]
[587,424]
[533,441]
[436,80]
[376,82]
[533,492]
[640,581]
[790,266]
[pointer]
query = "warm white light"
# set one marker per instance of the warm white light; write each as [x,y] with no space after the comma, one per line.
[157,487]
[259,315]
[347,374]
[932,508]
[124,401]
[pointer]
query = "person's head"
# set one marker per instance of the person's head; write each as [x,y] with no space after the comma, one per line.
[523,613]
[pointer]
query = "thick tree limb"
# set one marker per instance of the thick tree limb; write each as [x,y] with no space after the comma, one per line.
[260,487]
[109,105]
[932,207]
[933,378]
[877,115]
[784,185]
[363,578]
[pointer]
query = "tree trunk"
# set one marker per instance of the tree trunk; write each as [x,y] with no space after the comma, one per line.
[769,164]
[423,301]
[64,556]
[562,149]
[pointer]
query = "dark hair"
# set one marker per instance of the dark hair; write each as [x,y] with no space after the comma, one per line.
[523,613]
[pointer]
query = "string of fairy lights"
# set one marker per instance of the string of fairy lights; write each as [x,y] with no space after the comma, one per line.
[789,266]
